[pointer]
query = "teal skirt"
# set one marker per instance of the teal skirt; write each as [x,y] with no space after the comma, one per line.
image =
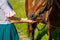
[8,32]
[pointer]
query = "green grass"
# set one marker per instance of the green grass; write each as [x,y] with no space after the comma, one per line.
[40,33]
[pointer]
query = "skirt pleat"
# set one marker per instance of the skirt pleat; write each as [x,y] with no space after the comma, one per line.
[8,32]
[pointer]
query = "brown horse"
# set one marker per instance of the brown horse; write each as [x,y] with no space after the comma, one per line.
[45,11]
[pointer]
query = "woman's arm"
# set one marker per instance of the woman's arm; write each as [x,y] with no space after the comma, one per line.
[20,20]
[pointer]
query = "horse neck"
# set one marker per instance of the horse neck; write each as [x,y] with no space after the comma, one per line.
[57,3]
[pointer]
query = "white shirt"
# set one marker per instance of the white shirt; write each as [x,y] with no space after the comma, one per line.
[2,2]
[5,12]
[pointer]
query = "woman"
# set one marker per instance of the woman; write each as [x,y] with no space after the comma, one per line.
[7,29]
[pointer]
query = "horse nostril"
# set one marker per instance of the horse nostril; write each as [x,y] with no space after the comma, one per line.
[30,15]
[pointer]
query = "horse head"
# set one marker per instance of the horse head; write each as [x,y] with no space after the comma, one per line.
[34,9]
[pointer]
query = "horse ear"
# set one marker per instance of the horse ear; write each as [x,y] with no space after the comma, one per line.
[9,5]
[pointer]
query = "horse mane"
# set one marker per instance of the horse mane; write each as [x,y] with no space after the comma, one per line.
[55,13]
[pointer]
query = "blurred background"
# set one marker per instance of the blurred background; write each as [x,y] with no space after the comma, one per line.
[22,28]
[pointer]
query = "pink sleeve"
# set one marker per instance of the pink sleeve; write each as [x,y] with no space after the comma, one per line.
[10,13]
